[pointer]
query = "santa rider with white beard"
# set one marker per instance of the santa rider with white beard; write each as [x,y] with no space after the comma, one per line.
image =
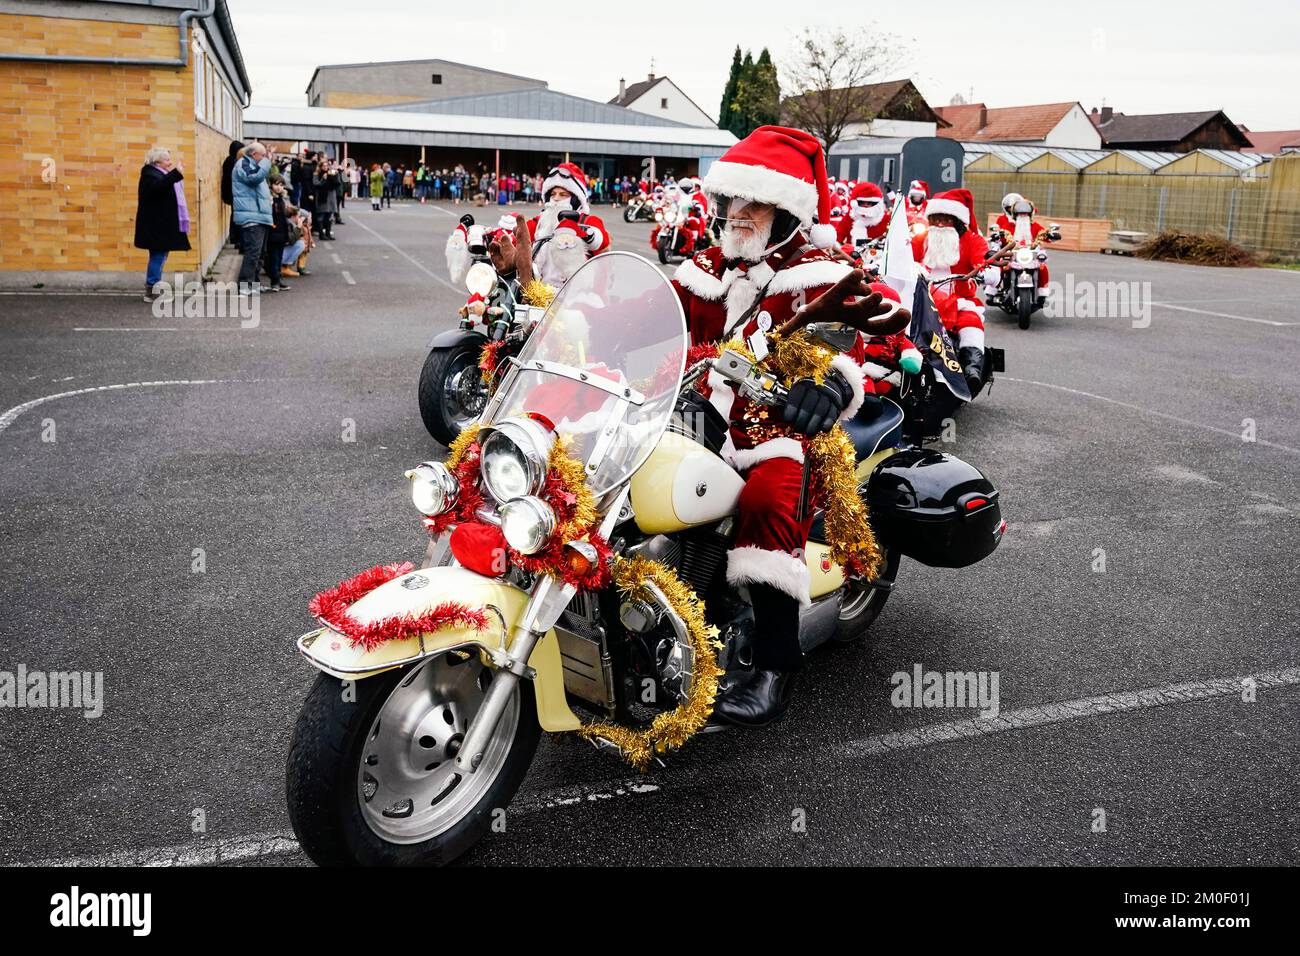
[917,194]
[952,245]
[565,234]
[771,263]
[867,219]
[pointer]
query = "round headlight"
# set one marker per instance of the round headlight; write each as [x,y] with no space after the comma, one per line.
[434,489]
[515,454]
[527,524]
[659,216]
[1024,256]
[481,279]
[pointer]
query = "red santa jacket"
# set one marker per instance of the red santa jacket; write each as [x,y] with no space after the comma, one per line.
[844,229]
[596,239]
[1009,227]
[970,255]
[715,297]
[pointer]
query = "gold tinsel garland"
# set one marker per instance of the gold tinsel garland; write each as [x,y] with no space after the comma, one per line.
[853,545]
[573,476]
[798,356]
[671,729]
[456,450]
[537,293]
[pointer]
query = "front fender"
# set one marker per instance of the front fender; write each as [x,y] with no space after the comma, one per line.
[331,652]
[450,338]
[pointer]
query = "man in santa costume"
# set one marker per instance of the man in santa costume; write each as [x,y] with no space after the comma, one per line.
[1022,229]
[952,246]
[918,193]
[772,263]
[867,219]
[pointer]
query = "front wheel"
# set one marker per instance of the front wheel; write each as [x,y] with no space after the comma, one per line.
[862,601]
[629,214]
[371,778]
[451,391]
[663,246]
[1024,306]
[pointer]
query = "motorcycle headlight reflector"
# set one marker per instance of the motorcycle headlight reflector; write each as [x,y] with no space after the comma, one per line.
[527,524]
[1024,256]
[434,489]
[481,279]
[515,454]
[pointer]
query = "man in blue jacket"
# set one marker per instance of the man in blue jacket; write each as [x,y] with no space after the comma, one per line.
[252,212]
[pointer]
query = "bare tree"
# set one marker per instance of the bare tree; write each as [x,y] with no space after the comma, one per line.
[828,77]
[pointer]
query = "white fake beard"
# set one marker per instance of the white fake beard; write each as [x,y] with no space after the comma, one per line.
[562,257]
[746,244]
[868,215]
[549,218]
[942,247]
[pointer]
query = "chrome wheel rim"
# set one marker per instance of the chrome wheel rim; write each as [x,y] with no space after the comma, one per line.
[463,391]
[408,786]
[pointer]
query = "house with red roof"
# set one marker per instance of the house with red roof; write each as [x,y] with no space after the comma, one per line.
[1064,125]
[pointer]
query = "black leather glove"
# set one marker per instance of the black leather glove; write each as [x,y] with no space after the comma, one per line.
[569,216]
[812,409]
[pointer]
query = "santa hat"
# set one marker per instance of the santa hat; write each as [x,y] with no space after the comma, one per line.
[866,191]
[570,177]
[922,185]
[781,166]
[958,203]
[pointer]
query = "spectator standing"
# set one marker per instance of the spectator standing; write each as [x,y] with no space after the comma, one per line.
[227,196]
[354,179]
[252,212]
[376,186]
[162,218]
[278,236]
[327,197]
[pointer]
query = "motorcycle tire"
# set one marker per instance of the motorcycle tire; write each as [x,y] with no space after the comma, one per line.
[629,214]
[861,602]
[323,776]
[442,413]
[663,249]
[1024,306]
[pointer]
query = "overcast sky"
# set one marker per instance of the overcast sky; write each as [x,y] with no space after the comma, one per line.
[1137,56]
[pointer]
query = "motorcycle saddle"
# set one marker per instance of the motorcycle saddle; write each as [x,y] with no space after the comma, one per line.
[876,425]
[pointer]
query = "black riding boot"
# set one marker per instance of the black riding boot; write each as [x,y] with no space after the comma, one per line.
[759,696]
[972,364]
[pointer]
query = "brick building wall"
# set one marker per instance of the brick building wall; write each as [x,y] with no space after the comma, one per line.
[73,139]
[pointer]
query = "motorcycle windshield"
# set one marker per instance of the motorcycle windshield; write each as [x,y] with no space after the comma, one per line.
[604,366]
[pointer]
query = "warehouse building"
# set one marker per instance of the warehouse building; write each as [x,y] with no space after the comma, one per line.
[86,88]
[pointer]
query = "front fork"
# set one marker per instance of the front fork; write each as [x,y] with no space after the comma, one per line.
[544,607]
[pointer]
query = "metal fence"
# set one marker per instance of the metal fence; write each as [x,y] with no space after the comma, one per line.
[1259,209]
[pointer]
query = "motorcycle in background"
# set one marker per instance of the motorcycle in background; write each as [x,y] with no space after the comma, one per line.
[1014,268]
[640,208]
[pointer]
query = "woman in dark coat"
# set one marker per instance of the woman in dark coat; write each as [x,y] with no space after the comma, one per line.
[227,189]
[162,218]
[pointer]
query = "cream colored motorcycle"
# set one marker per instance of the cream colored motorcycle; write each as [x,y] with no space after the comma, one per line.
[576,579]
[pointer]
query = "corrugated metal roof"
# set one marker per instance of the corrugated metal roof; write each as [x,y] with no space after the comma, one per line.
[534,103]
[332,123]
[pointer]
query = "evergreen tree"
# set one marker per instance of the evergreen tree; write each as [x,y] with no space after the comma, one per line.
[741,119]
[729,92]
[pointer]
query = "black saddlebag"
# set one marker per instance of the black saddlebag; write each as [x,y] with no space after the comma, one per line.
[935,508]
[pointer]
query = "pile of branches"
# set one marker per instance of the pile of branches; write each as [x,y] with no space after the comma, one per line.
[1198,249]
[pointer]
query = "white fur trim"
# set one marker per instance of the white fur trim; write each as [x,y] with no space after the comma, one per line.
[698,282]
[565,182]
[878,372]
[745,458]
[761,184]
[947,207]
[782,571]
[856,378]
[458,257]
[823,235]
[970,337]
[806,275]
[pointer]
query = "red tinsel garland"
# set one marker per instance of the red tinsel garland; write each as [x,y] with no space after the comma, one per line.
[488,359]
[552,559]
[331,608]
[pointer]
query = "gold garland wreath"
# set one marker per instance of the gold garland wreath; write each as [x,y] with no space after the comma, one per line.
[669,730]
[537,293]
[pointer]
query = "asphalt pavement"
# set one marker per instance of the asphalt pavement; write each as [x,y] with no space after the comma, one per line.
[174,490]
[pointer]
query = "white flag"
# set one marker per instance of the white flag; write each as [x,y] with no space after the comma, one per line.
[900,270]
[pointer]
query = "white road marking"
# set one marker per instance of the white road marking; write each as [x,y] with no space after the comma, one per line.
[1222,315]
[12,414]
[347,277]
[335,256]
[1149,411]
[171,328]
[412,260]
[272,844]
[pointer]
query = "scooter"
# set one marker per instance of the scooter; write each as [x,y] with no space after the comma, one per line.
[575,577]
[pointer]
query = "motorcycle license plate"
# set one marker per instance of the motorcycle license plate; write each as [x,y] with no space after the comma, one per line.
[1025,280]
